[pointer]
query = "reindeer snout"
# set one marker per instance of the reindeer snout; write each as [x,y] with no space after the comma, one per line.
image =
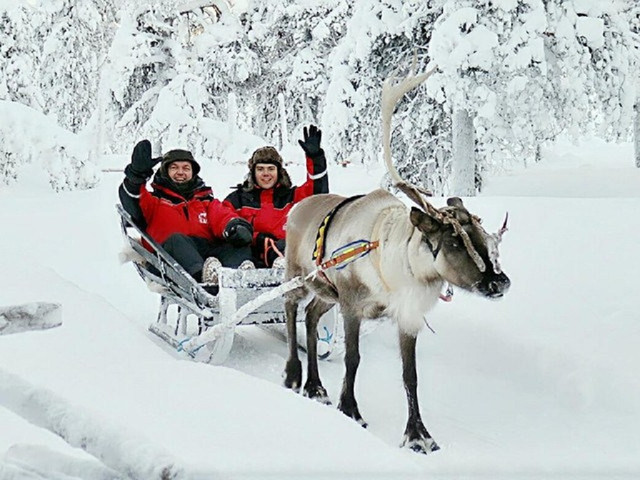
[497,286]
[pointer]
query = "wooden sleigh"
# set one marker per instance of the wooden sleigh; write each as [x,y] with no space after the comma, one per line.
[201,324]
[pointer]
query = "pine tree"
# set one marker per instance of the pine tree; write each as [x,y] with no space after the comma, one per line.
[489,56]
[632,13]
[19,56]
[382,40]
[76,38]
[292,42]
[140,63]
[30,42]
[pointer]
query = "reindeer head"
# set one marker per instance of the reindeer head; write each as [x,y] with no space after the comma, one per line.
[464,254]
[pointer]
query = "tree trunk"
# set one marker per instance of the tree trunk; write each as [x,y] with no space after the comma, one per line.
[232,114]
[636,134]
[464,157]
[284,135]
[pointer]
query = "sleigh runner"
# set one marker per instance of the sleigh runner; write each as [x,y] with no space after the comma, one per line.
[193,320]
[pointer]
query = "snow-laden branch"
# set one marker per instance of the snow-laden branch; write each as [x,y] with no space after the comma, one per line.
[113,445]
[30,316]
[26,462]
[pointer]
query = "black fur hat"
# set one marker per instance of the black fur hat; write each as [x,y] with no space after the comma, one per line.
[178,155]
[266,155]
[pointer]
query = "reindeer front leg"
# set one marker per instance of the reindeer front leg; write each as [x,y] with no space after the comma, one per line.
[348,404]
[416,436]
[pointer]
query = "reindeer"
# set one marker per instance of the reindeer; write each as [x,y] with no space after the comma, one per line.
[411,254]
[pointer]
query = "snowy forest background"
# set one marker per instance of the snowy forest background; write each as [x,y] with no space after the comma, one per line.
[512,76]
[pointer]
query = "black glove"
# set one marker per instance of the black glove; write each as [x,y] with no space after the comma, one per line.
[141,166]
[311,143]
[238,232]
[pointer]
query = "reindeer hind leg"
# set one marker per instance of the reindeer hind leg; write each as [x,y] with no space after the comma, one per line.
[348,404]
[293,368]
[313,387]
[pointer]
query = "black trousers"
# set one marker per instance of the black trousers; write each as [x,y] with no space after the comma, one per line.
[190,253]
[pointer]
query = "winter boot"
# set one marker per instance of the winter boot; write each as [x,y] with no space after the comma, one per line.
[210,270]
[247,265]
[279,263]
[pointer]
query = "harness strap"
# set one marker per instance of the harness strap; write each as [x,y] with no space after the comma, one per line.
[341,258]
[270,244]
[319,251]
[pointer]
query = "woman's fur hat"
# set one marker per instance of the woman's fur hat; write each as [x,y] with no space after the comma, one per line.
[178,155]
[266,155]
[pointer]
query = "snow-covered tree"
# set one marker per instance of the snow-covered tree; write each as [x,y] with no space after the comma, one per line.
[592,66]
[19,56]
[421,140]
[382,40]
[527,70]
[489,56]
[77,36]
[140,63]
[633,15]
[292,40]
[33,73]
[222,57]
[60,155]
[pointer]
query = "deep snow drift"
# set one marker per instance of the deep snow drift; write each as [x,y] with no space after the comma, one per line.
[540,383]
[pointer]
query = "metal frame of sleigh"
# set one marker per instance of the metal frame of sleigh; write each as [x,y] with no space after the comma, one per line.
[200,324]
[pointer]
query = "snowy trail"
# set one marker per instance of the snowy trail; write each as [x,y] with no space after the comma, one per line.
[164,397]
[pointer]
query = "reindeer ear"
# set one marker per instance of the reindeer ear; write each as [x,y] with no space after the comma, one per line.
[455,202]
[461,213]
[422,221]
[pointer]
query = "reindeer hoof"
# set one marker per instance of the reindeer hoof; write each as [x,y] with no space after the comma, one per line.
[420,445]
[352,411]
[293,375]
[361,422]
[317,393]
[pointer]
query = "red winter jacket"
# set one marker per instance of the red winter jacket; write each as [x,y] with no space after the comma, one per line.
[267,210]
[166,211]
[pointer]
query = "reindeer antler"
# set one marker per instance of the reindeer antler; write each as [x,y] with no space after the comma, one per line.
[503,228]
[392,91]
[417,197]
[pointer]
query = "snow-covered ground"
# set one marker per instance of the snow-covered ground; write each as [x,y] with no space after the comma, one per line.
[541,383]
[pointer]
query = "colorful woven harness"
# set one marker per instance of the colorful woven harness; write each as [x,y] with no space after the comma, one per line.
[344,255]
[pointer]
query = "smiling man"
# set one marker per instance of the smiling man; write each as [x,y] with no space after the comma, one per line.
[266,195]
